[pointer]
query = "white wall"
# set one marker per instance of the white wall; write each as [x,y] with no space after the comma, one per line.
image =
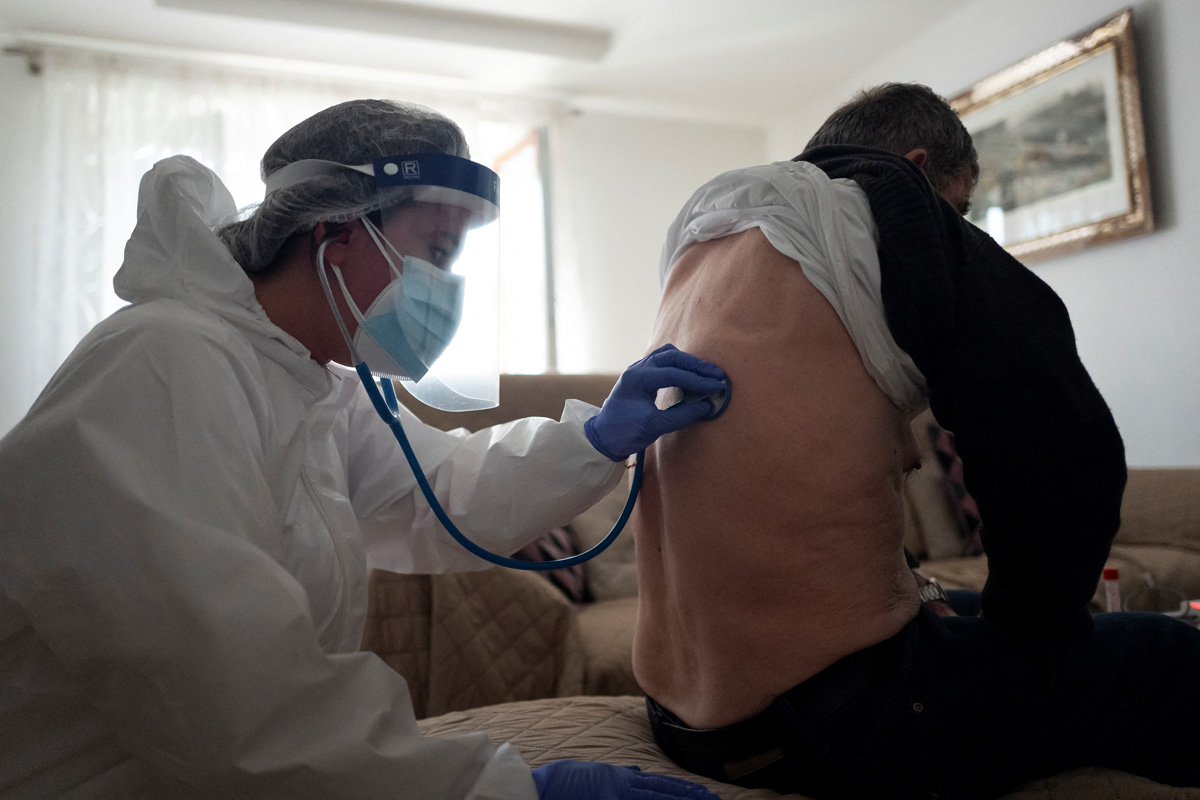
[620,182]
[1135,303]
[19,155]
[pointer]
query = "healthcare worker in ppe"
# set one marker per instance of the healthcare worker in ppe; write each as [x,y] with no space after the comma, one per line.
[188,511]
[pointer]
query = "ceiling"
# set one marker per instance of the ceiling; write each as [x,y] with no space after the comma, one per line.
[742,62]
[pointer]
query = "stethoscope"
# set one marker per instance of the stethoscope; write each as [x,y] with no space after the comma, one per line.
[388,408]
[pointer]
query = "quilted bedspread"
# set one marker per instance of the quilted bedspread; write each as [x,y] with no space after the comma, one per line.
[615,730]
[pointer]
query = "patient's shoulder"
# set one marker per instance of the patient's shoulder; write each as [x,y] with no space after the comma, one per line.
[729,259]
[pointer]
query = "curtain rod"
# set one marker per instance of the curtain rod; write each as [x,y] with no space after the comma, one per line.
[483,28]
[31,46]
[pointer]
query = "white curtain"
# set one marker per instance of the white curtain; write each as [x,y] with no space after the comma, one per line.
[107,119]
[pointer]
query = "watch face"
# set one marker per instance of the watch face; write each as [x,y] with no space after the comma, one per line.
[932,591]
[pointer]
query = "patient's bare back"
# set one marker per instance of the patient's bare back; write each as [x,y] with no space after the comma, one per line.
[768,540]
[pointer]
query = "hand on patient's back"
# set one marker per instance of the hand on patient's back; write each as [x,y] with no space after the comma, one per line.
[630,422]
[584,780]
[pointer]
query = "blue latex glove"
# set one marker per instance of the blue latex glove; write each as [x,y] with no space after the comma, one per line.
[629,422]
[584,780]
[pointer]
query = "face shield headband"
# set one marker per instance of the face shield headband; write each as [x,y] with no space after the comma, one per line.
[431,177]
[412,331]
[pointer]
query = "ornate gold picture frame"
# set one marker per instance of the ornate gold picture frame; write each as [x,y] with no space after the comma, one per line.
[1062,151]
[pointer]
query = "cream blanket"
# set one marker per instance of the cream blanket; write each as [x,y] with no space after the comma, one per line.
[614,730]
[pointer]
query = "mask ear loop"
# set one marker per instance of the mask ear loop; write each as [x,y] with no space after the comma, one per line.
[337,315]
[380,240]
[353,306]
[337,273]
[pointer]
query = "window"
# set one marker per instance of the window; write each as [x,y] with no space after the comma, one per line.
[525,333]
[108,118]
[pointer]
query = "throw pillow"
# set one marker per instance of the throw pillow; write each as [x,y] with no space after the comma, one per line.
[554,544]
[969,523]
[931,522]
[613,573]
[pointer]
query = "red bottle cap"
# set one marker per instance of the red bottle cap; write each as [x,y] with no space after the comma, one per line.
[1110,574]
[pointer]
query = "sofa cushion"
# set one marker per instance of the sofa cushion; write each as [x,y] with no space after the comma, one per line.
[927,503]
[606,632]
[1162,507]
[556,544]
[614,730]
[499,635]
[925,493]
[965,509]
[613,573]
[475,638]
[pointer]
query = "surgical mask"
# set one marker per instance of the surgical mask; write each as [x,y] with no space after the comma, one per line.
[411,322]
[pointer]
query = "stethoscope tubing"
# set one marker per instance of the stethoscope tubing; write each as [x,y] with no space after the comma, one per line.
[388,408]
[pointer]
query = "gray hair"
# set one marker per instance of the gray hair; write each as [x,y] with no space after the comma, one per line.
[354,132]
[900,118]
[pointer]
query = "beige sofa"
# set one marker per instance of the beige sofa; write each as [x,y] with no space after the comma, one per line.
[562,670]
[1156,552]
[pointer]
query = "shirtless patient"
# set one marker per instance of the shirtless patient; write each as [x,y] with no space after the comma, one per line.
[780,637]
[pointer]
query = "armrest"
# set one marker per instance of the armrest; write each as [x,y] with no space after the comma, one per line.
[497,636]
[398,628]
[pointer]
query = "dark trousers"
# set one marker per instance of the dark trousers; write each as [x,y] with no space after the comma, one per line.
[956,707]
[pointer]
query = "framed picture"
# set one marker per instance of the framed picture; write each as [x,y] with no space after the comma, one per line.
[1062,155]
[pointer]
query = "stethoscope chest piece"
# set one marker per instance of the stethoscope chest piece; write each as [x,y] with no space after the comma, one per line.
[673,396]
[720,400]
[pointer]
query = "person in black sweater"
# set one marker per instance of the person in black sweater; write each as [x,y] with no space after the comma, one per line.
[1034,684]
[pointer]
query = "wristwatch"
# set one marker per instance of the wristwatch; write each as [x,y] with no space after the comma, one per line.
[933,591]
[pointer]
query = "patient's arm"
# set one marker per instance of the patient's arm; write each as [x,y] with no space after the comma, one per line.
[939,607]
[1041,453]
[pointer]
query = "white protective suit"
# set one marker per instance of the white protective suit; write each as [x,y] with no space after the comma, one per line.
[187,514]
[827,226]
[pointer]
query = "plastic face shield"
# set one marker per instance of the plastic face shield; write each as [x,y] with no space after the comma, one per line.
[466,377]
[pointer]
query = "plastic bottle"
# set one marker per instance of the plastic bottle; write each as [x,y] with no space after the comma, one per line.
[1112,590]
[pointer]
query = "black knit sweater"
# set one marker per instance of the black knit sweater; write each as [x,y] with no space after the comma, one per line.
[1041,453]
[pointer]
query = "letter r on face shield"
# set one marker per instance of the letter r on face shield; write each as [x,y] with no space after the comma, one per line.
[411,169]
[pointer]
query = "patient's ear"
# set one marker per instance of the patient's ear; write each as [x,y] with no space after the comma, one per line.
[918,156]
